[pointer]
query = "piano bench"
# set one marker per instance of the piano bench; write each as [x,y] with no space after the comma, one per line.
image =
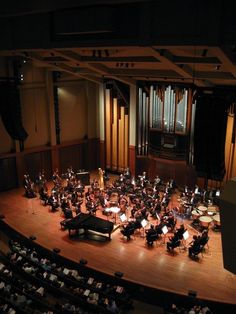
[63,223]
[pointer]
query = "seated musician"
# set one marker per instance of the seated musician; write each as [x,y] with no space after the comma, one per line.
[150,235]
[55,176]
[128,230]
[28,186]
[204,238]
[159,227]
[180,231]
[78,206]
[156,208]
[127,173]
[157,181]
[195,247]
[53,202]
[171,221]
[43,194]
[173,243]
[68,212]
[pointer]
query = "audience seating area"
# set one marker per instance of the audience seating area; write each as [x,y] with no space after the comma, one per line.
[36,280]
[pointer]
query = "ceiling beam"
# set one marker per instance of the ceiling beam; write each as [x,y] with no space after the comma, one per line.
[167,59]
[225,59]
[63,67]
[96,67]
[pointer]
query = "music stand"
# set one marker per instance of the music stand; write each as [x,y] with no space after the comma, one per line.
[158,217]
[164,231]
[123,218]
[186,235]
[144,223]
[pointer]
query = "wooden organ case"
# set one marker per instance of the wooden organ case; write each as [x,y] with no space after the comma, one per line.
[165,122]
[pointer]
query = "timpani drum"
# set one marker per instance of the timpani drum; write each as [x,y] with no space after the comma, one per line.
[205,221]
[203,209]
[216,220]
[196,214]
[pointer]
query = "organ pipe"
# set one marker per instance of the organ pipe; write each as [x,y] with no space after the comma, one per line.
[114,135]
[165,108]
[117,133]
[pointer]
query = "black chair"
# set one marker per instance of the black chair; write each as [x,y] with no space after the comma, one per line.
[128,232]
[173,244]
[152,238]
[195,253]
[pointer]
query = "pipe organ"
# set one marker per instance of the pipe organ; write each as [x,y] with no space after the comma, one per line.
[116,132]
[165,114]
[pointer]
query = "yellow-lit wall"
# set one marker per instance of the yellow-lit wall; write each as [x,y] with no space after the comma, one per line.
[230,150]
[78,104]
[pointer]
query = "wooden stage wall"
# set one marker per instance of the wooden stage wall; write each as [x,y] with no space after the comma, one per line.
[82,154]
[180,171]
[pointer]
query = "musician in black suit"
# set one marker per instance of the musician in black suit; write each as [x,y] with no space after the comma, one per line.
[195,246]
[150,235]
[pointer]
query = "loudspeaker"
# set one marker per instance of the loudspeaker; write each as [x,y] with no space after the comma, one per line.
[83,261]
[192,293]
[228,219]
[119,274]
[56,250]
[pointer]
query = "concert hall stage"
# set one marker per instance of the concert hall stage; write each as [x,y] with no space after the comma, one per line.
[152,267]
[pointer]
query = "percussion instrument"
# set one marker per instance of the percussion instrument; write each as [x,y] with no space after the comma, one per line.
[216,219]
[205,221]
[196,214]
[212,209]
[203,209]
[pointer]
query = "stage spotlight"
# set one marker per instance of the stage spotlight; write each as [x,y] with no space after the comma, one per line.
[83,261]
[56,250]
[119,274]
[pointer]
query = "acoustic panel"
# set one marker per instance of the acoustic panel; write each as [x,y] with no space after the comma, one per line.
[228,218]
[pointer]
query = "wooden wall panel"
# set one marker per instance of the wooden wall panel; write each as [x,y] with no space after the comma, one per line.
[102,163]
[93,154]
[72,156]
[108,127]
[180,171]
[38,161]
[132,160]
[8,171]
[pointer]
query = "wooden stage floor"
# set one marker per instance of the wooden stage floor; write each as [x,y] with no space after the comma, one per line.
[152,267]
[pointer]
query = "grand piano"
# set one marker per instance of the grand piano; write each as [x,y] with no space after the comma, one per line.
[87,223]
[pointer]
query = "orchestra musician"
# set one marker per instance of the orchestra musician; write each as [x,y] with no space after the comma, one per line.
[28,186]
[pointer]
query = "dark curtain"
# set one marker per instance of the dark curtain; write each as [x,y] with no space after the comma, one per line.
[209,139]
[10,111]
